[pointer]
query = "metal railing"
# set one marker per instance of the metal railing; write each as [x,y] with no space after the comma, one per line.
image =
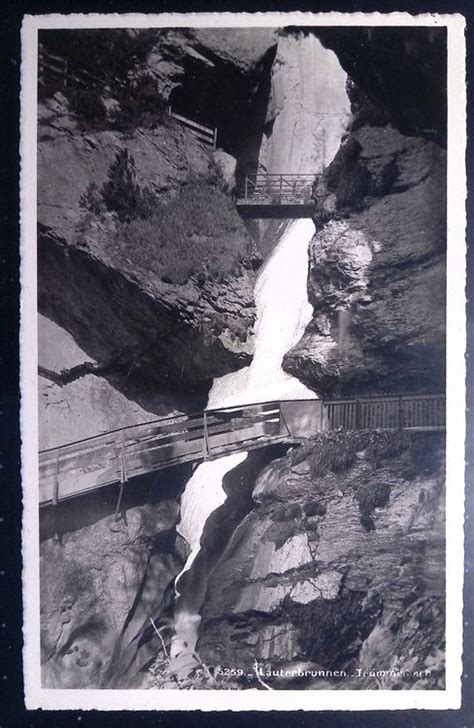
[262,188]
[117,456]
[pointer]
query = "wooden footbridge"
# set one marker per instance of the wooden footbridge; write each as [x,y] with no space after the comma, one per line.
[118,456]
[276,195]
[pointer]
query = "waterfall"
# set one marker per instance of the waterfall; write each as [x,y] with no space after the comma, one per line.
[311,110]
[283,312]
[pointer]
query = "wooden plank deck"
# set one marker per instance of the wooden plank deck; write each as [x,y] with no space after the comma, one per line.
[117,456]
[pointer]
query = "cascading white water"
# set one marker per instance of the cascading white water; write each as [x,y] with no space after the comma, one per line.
[311,110]
[283,312]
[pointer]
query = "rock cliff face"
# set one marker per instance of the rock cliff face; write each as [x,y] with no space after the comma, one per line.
[338,566]
[377,262]
[76,400]
[102,580]
[118,309]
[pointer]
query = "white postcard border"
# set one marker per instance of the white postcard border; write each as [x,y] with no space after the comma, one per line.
[38,697]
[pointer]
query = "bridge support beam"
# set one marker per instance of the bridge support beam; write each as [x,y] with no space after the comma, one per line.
[207,450]
[123,476]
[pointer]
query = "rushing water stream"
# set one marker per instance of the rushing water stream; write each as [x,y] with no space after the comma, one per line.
[283,312]
[307,134]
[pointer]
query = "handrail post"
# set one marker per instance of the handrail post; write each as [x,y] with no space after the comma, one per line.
[215,138]
[283,421]
[207,452]
[123,475]
[56,481]
[281,188]
[358,415]
[246,187]
[400,419]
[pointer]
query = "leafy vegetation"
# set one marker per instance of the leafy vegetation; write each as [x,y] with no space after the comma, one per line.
[337,451]
[88,106]
[89,65]
[197,233]
[115,52]
[121,192]
[141,102]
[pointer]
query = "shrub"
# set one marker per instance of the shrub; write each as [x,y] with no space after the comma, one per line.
[141,101]
[198,233]
[122,194]
[332,455]
[89,107]
[371,495]
[91,200]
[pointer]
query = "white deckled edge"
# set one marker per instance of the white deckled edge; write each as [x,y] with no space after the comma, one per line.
[455,355]
[36,696]
[29,365]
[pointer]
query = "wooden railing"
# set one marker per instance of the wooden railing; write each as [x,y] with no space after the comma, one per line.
[426,411]
[261,188]
[206,134]
[117,456]
[66,72]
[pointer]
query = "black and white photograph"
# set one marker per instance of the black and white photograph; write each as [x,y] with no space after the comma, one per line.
[243,270]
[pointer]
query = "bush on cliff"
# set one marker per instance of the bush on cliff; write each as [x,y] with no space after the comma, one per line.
[197,233]
[88,107]
[121,192]
[141,103]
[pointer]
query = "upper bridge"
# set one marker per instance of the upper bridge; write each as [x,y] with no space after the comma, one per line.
[276,195]
[118,456]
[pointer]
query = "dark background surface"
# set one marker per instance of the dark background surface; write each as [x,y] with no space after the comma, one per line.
[12,710]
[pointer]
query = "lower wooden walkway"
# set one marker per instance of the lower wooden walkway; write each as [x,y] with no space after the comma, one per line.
[115,457]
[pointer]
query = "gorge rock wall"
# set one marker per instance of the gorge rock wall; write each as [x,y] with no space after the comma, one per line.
[75,400]
[110,298]
[102,580]
[338,566]
[378,260]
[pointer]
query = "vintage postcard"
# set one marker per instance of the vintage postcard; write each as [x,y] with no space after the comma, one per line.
[242,370]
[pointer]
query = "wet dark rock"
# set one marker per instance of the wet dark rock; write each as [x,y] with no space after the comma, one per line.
[401,72]
[322,587]
[102,580]
[377,269]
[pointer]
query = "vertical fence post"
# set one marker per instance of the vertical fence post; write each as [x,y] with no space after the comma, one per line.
[321,424]
[123,475]
[215,139]
[56,481]
[207,452]
[358,414]
[400,419]
[246,187]
[281,187]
